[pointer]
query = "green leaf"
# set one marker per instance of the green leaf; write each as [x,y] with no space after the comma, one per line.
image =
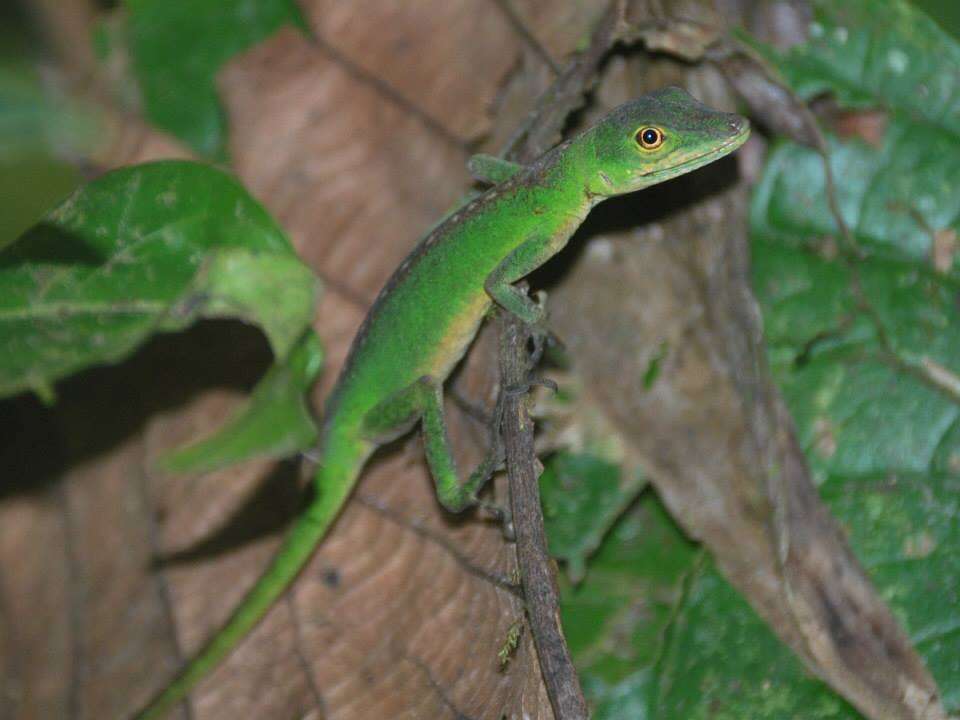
[177,49]
[881,436]
[615,620]
[670,638]
[657,633]
[721,662]
[275,291]
[582,496]
[945,12]
[275,421]
[878,52]
[867,350]
[856,365]
[894,198]
[906,529]
[141,250]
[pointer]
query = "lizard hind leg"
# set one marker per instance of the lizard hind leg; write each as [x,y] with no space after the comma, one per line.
[423,401]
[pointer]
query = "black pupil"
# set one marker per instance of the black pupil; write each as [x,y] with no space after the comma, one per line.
[650,136]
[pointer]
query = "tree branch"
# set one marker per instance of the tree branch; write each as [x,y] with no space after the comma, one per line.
[537,569]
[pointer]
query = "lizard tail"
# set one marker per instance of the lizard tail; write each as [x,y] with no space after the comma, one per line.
[334,481]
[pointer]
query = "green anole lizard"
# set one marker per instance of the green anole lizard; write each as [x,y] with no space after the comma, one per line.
[424,319]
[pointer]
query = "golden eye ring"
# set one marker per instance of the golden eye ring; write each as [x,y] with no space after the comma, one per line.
[649,138]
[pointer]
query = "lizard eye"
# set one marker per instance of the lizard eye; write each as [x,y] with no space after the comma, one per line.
[649,138]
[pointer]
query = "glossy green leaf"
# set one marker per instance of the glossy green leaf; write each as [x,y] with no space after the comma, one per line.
[871,395]
[894,198]
[616,619]
[582,497]
[906,529]
[141,250]
[657,633]
[945,12]
[897,197]
[275,291]
[858,363]
[878,52]
[867,351]
[721,662]
[177,49]
[275,422]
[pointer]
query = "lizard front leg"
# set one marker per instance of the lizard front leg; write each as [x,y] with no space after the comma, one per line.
[492,170]
[525,258]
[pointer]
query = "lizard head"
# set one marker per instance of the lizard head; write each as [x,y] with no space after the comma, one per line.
[656,137]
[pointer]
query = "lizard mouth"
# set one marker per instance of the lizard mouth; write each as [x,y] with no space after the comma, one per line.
[703,158]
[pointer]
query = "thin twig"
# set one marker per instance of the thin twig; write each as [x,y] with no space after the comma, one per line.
[542,128]
[520,27]
[537,569]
